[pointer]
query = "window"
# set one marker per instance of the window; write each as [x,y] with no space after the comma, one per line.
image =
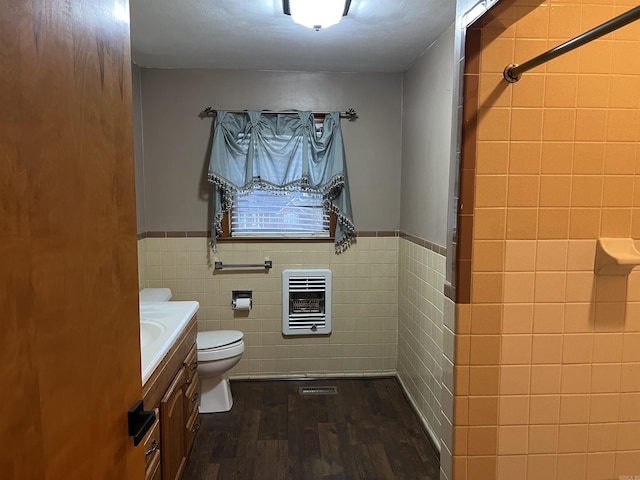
[263,215]
[266,213]
[279,175]
[283,214]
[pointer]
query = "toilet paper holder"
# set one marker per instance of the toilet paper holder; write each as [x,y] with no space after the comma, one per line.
[239,297]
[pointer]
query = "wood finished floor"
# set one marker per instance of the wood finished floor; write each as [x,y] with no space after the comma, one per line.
[366,431]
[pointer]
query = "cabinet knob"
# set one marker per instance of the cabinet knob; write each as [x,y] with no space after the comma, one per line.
[194,366]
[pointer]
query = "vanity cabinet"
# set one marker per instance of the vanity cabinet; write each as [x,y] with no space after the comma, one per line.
[173,390]
[172,410]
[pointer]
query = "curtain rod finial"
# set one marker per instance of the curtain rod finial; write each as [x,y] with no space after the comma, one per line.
[207,112]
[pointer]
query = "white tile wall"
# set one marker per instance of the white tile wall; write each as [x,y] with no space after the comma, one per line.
[446,464]
[421,278]
[365,302]
[446,397]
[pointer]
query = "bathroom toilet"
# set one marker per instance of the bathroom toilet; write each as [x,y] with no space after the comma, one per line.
[218,352]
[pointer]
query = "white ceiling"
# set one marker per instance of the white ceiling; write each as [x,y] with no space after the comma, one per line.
[376,35]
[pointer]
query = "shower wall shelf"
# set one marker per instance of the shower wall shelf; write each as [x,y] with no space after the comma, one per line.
[616,256]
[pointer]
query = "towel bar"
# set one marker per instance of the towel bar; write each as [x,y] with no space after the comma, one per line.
[266,265]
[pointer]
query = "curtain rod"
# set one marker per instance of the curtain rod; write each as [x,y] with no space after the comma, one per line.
[513,72]
[350,114]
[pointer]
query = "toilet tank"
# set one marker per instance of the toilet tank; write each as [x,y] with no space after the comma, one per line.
[155,295]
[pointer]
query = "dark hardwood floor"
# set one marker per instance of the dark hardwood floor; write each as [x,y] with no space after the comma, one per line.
[366,431]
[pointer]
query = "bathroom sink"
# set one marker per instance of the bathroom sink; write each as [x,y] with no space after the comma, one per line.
[161,323]
[149,332]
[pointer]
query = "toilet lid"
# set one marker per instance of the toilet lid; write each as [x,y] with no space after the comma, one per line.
[218,338]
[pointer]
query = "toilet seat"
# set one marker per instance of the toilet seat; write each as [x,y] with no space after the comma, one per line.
[218,338]
[219,344]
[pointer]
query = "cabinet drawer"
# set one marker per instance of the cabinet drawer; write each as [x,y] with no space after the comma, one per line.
[193,395]
[191,363]
[193,425]
[152,441]
[153,471]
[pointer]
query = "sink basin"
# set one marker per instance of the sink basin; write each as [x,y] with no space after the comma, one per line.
[161,323]
[149,331]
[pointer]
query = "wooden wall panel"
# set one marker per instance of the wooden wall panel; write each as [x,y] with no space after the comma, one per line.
[69,348]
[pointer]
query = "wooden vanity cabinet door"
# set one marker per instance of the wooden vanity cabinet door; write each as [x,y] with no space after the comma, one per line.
[172,424]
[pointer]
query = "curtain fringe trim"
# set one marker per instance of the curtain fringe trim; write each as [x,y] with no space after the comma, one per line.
[331,189]
[329,192]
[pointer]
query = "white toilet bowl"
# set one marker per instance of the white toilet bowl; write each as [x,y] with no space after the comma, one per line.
[218,352]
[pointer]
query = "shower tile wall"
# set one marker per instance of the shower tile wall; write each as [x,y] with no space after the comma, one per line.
[365,301]
[547,364]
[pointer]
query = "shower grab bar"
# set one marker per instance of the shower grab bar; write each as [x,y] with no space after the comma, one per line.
[513,72]
[266,265]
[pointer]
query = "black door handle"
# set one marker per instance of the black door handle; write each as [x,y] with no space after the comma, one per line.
[140,421]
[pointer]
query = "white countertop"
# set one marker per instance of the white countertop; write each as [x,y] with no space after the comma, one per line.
[161,323]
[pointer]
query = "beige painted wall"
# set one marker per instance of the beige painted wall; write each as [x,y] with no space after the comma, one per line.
[138,150]
[426,141]
[176,139]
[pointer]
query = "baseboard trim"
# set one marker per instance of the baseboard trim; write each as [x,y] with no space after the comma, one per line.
[433,438]
[348,375]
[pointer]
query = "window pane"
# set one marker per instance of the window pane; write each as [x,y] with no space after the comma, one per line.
[260,213]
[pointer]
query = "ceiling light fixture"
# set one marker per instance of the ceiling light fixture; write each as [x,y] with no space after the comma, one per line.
[316,14]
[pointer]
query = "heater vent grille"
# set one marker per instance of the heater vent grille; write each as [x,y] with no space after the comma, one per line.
[318,390]
[306,302]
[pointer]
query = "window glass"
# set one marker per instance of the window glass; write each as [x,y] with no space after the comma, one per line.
[279,214]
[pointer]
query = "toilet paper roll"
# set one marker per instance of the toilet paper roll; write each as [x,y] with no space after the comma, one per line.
[242,304]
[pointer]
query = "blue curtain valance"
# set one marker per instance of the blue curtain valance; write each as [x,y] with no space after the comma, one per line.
[280,152]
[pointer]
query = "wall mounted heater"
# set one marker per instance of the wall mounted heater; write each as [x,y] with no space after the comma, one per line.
[306,302]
